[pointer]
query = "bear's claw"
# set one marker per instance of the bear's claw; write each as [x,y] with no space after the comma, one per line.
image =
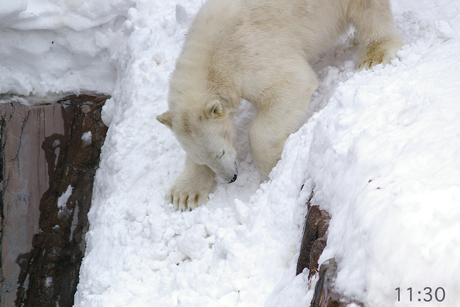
[381,52]
[186,200]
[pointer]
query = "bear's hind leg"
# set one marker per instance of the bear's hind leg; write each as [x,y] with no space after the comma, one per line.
[377,35]
[281,110]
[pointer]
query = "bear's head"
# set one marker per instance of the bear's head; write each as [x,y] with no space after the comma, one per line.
[206,133]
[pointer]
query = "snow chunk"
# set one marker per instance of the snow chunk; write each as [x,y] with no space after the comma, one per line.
[443,30]
[107,111]
[62,201]
[193,242]
[86,138]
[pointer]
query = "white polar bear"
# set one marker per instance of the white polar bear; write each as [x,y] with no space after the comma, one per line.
[257,50]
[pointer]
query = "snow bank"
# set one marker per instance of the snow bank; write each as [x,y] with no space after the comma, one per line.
[384,163]
[61,46]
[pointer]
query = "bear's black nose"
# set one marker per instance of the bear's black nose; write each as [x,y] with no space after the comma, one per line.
[234,178]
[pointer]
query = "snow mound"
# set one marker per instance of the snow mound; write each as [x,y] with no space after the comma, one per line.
[61,46]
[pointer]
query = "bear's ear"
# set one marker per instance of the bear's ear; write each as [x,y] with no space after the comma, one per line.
[214,109]
[165,119]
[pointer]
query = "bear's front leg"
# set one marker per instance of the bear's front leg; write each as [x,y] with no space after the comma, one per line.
[191,189]
[281,110]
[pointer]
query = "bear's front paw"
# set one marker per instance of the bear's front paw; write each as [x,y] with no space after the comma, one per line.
[193,186]
[186,199]
[189,192]
[380,52]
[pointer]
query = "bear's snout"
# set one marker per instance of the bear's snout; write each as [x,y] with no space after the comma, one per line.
[231,175]
[233,179]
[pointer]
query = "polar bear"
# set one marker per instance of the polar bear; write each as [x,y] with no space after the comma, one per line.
[258,50]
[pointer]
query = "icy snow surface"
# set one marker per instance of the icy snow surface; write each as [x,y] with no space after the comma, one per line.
[381,152]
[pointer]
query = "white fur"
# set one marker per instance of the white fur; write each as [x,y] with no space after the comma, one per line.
[258,50]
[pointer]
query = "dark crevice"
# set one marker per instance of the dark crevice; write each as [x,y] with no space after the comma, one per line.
[2,183]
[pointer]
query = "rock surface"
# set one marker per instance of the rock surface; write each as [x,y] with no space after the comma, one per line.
[314,241]
[48,157]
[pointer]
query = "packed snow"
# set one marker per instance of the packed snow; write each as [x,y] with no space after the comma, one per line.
[380,152]
[49,47]
[62,200]
[86,138]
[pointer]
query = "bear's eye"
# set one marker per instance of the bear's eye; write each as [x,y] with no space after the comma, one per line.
[220,154]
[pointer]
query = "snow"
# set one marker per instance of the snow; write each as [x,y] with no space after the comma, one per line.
[62,200]
[51,47]
[86,138]
[380,151]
